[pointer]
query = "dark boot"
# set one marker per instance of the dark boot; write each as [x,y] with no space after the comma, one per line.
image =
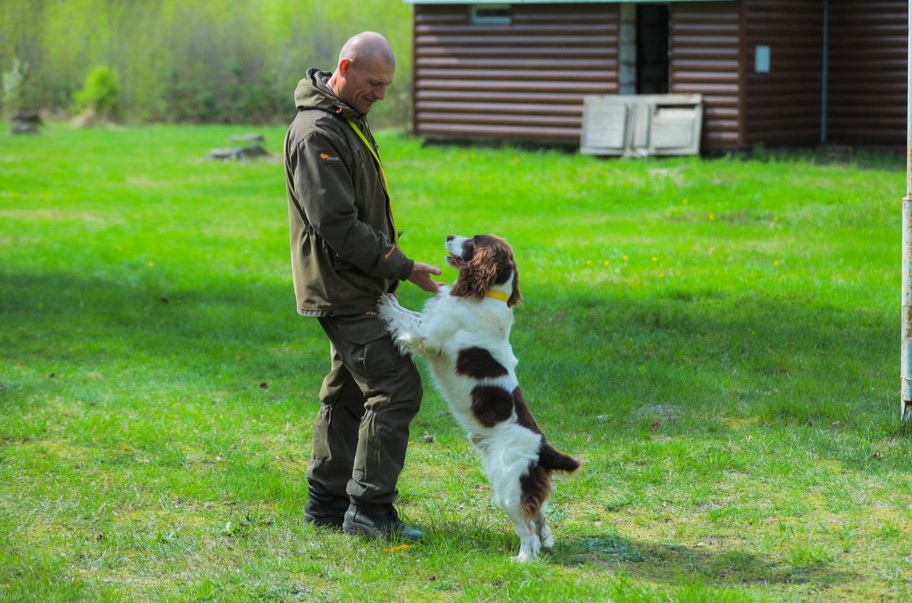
[324,509]
[377,521]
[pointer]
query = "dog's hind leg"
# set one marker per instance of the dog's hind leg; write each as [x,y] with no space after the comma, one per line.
[529,540]
[525,524]
[505,483]
[544,532]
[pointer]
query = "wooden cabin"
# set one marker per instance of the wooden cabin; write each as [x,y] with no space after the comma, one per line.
[771,72]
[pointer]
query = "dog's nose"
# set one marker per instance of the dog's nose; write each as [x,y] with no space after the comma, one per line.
[450,238]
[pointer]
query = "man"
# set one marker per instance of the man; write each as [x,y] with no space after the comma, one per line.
[344,255]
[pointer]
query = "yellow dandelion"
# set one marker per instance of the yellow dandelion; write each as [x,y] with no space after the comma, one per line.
[684,201]
[654,259]
[606,263]
[712,217]
[626,258]
[588,262]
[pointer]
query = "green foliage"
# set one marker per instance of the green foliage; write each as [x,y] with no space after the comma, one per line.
[715,340]
[235,62]
[242,100]
[100,93]
[14,88]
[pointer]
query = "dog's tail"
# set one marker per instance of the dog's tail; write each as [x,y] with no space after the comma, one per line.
[549,458]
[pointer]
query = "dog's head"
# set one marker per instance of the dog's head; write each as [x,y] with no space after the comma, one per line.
[485,264]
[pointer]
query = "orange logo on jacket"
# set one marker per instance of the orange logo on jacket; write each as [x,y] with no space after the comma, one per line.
[328,157]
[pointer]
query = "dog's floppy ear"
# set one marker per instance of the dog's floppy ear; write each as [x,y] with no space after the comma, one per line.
[506,268]
[477,277]
[515,295]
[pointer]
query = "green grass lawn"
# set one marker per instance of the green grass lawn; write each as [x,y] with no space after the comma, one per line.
[716,340]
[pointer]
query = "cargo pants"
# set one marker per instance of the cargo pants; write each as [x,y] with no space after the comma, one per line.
[367,401]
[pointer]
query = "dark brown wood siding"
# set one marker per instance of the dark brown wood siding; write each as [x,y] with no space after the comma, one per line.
[783,107]
[704,48]
[524,81]
[868,72]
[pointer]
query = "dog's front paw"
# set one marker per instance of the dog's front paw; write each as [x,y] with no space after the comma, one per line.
[386,306]
[386,300]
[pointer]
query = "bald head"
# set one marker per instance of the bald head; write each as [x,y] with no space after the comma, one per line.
[367,46]
[366,67]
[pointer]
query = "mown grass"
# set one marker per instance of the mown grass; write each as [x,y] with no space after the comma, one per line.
[716,340]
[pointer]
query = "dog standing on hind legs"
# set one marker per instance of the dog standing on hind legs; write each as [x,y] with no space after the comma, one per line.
[464,333]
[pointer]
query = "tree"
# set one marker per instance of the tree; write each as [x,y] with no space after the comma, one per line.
[14,88]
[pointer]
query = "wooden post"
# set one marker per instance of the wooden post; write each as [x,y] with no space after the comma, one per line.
[906,352]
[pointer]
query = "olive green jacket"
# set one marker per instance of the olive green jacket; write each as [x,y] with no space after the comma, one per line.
[343,251]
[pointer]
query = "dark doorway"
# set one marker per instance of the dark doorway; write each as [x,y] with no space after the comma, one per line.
[652,49]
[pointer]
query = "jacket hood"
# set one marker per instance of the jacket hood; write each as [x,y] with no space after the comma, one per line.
[312,92]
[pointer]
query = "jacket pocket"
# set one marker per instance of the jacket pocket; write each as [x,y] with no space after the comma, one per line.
[342,265]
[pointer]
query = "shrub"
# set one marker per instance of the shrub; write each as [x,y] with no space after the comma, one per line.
[100,93]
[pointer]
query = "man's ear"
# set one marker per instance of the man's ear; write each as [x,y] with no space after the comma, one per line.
[344,66]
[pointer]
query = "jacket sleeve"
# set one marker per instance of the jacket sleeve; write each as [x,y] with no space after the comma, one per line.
[324,181]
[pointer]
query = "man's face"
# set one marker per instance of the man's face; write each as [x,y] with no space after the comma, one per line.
[365,83]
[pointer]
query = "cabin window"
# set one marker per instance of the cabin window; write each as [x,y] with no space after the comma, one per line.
[491,14]
[762,59]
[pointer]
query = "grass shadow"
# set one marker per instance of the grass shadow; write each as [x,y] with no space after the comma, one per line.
[58,318]
[672,564]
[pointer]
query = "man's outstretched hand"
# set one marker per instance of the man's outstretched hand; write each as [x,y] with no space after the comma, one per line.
[421,276]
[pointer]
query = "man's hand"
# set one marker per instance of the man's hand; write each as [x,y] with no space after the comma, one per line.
[421,276]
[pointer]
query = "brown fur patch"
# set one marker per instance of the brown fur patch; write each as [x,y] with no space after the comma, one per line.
[523,414]
[478,363]
[491,404]
[535,487]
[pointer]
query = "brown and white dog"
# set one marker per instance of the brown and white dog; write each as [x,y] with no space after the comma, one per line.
[464,333]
